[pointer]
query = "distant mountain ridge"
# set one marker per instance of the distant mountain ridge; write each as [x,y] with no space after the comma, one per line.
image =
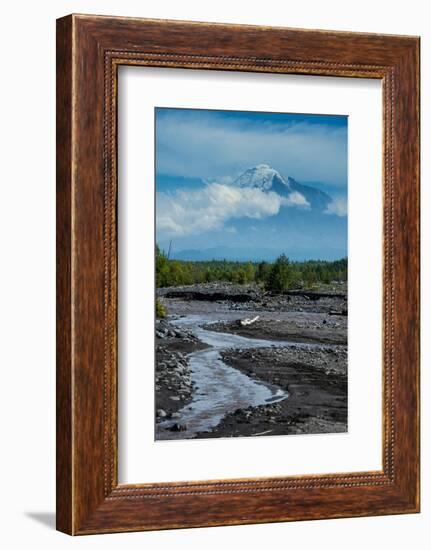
[253,254]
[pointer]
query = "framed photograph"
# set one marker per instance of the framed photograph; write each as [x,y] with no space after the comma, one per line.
[237,274]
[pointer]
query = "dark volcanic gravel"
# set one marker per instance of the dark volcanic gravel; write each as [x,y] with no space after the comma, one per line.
[317,384]
[318,333]
[329,298]
[314,372]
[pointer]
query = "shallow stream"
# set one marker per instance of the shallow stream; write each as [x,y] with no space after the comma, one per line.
[219,388]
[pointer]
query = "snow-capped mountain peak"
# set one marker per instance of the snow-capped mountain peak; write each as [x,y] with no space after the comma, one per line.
[266,178]
[263,177]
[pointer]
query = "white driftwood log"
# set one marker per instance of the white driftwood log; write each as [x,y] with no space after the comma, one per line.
[245,322]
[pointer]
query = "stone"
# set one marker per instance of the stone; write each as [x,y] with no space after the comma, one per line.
[161,413]
[178,427]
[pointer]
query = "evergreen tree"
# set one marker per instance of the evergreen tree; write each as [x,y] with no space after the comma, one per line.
[279,276]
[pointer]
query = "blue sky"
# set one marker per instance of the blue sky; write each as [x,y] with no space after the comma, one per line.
[219,144]
[200,153]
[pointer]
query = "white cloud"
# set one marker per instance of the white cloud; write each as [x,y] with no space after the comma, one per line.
[337,207]
[196,211]
[296,199]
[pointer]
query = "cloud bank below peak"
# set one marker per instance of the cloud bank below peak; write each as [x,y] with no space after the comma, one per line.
[182,213]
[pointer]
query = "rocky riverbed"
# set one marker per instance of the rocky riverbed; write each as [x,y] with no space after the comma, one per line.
[316,383]
[327,331]
[292,362]
[173,383]
[330,299]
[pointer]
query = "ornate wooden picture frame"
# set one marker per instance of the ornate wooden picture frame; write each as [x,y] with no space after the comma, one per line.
[89,51]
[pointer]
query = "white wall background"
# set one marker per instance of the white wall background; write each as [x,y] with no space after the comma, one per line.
[27,244]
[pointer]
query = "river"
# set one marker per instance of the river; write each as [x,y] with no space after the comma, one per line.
[219,388]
